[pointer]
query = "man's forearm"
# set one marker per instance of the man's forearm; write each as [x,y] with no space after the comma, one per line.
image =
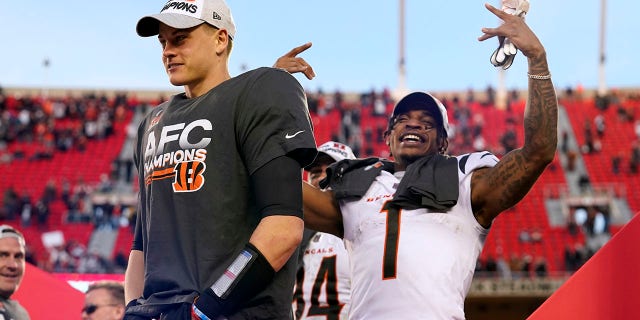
[541,117]
[134,276]
[277,237]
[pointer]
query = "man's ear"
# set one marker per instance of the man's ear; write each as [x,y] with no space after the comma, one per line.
[444,145]
[222,41]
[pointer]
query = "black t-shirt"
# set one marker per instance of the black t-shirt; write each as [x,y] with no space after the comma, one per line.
[195,157]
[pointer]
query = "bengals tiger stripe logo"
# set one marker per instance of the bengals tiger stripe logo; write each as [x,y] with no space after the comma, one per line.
[188,176]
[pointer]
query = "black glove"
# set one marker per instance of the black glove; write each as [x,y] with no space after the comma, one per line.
[128,316]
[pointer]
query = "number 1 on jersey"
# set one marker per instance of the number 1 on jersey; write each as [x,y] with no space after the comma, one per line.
[391,238]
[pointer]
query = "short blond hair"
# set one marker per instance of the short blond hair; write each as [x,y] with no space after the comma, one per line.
[115,289]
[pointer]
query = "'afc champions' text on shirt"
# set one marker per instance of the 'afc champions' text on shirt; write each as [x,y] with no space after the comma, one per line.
[191,148]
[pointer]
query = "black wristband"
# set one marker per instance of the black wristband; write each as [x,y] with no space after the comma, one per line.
[247,275]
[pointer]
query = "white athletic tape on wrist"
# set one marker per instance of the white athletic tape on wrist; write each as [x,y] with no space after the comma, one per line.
[223,284]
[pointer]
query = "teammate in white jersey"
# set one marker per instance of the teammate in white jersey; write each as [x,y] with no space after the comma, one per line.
[323,284]
[414,227]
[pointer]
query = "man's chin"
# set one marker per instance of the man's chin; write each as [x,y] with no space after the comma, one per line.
[176,82]
[6,294]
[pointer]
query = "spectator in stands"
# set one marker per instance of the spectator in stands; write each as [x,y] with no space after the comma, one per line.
[596,228]
[491,97]
[120,261]
[106,183]
[379,105]
[44,153]
[525,266]
[82,189]
[65,192]
[515,264]
[92,262]
[26,208]
[10,203]
[479,143]
[574,256]
[580,215]
[564,142]
[634,161]
[50,192]
[490,265]
[514,97]
[462,116]
[471,98]
[540,268]
[572,227]
[572,157]
[60,260]
[104,300]
[616,161]
[509,138]
[41,212]
[591,143]
[584,183]
[598,122]
[12,265]
[504,271]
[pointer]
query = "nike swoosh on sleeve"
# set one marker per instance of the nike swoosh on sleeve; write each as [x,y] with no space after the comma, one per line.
[289,136]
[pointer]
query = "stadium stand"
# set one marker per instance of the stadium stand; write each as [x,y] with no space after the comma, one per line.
[29,162]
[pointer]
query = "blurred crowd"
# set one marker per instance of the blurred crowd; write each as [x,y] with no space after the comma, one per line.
[33,128]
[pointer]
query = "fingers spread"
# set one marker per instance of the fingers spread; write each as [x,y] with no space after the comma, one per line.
[488,33]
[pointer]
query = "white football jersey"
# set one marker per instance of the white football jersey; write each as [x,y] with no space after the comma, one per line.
[412,264]
[323,292]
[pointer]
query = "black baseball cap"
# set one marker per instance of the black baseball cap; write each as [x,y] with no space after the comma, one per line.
[421,101]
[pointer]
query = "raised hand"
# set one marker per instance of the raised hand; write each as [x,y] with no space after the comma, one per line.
[292,63]
[504,55]
[516,30]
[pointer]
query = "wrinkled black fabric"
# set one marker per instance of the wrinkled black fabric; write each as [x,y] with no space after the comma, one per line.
[181,311]
[430,182]
[352,178]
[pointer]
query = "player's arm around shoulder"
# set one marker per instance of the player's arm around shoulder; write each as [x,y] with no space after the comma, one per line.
[321,210]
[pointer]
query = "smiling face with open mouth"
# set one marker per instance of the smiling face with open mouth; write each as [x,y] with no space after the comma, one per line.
[413,135]
[12,263]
